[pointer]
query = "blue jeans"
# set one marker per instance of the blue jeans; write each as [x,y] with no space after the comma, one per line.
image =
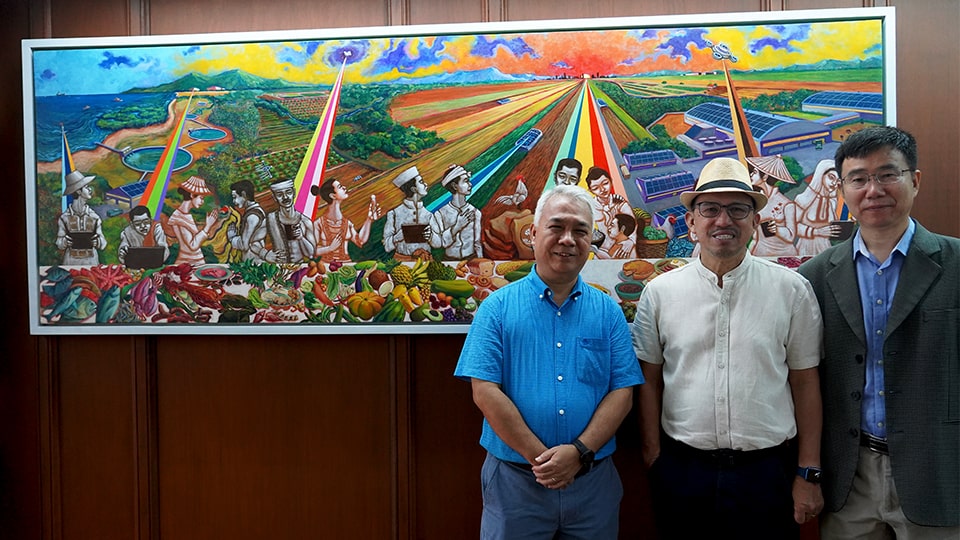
[516,506]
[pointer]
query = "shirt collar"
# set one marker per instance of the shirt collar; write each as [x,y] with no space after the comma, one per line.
[859,248]
[543,290]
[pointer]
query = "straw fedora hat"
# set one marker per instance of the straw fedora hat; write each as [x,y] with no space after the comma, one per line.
[196,186]
[724,175]
[75,180]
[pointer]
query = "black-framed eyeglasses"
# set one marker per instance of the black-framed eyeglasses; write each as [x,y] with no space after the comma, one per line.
[735,211]
[859,180]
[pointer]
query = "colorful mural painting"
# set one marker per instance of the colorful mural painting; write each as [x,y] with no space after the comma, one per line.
[385,179]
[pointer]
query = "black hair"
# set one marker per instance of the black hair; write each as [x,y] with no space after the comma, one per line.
[244,188]
[626,222]
[138,211]
[867,141]
[570,163]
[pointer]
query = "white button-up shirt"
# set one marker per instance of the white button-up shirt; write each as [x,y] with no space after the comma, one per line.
[726,352]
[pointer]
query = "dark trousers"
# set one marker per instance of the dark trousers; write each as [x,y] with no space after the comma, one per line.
[723,493]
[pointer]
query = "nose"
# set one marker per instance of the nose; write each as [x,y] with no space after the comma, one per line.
[873,188]
[723,218]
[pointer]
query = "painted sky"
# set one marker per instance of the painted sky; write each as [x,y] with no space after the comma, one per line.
[542,54]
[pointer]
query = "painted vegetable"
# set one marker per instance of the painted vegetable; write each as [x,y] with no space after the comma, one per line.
[365,304]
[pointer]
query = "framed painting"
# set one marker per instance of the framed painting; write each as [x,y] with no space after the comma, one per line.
[385,180]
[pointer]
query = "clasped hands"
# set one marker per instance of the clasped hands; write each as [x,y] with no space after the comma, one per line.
[556,467]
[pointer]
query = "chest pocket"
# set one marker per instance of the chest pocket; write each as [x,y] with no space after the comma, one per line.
[593,361]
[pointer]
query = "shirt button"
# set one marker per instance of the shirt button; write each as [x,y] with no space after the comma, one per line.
[720,365]
[879,362]
[559,344]
[880,393]
[879,424]
[558,314]
[879,332]
[879,301]
[720,399]
[559,377]
[561,412]
[879,272]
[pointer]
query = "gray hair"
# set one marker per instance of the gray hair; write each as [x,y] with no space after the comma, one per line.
[572,193]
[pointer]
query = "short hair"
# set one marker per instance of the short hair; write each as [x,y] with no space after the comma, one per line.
[186,195]
[570,163]
[595,173]
[409,187]
[626,222]
[324,191]
[138,211]
[244,188]
[569,192]
[869,140]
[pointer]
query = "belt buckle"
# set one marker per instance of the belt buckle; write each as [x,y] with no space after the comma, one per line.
[874,444]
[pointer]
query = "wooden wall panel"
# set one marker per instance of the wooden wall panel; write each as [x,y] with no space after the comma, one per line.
[189,16]
[19,377]
[96,434]
[311,436]
[446,451]
[68,18]
[928,86]
[262,437]
[450,11]
[548,9]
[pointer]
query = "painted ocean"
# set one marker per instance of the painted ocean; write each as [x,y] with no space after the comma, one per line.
[79,116]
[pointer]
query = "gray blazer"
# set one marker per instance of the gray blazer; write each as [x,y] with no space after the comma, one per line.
[921,374]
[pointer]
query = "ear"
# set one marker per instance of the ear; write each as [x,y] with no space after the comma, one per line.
[916,181]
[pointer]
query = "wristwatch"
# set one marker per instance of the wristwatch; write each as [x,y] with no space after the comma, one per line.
[586,457]
[810,474]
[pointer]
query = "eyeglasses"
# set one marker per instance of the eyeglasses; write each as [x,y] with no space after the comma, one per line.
[735,211]
[859,180]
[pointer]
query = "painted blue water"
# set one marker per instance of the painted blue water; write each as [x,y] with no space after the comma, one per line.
[146,159]
[207,134]
[79,115]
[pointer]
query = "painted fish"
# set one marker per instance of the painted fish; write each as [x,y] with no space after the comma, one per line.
[81,310]
[108,304]
[64,303]
[58,288]
[56,274]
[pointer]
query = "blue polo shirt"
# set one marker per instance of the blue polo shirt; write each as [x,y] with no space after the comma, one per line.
[556,363]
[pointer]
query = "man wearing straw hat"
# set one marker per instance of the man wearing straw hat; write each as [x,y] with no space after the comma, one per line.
[729,344]
[407,228]
[457,223]
[79,228]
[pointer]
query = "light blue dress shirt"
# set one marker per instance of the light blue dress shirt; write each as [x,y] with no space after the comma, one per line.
[556,363]
[878,283]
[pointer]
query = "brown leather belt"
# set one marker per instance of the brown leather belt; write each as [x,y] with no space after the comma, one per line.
[874,444]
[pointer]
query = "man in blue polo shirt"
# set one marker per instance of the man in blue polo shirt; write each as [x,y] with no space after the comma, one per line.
[552,367]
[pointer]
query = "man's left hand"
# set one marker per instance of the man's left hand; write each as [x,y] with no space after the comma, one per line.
[807,500]
[557,466]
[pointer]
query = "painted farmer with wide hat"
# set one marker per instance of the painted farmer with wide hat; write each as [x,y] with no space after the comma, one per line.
[79,228]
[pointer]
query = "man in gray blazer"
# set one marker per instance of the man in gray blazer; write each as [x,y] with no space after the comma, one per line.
[890,376]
